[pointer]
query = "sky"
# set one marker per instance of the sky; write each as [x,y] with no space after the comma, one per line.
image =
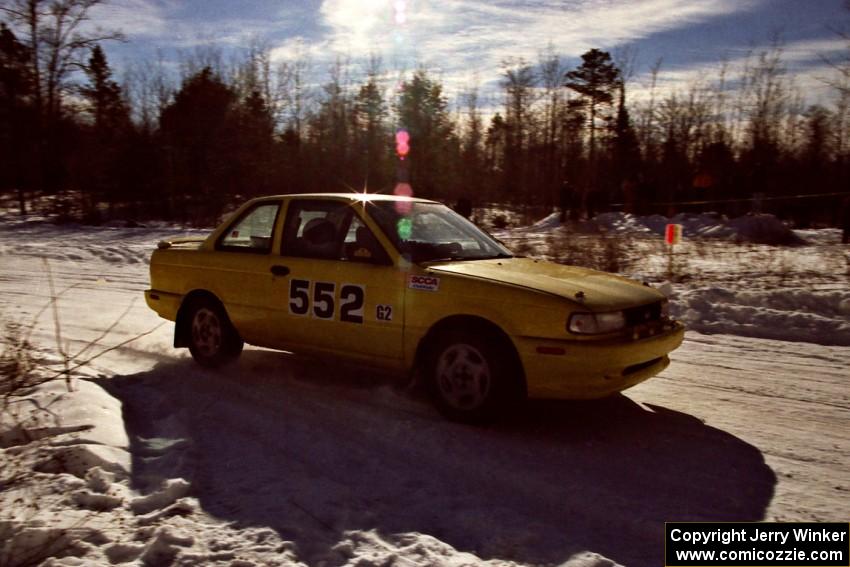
[464,42]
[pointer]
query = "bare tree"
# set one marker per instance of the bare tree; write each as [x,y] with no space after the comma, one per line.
[54,32]
[765,95]
[551,76]
[472,145]
[841,114]
[518,80]
[647,114]
[293,90]
[149,88]
[55,35]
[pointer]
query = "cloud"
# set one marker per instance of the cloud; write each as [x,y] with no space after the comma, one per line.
[455,39]
[299,48]
[814,49]
[805,64]
[184,24]
[461,37]
[136,18]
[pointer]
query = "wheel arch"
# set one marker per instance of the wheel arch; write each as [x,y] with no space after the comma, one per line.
[474,324]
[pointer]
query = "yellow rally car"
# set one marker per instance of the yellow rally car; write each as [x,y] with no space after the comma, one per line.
[407,284]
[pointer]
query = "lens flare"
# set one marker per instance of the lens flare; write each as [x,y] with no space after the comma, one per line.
[404,228]
[403,190]
[402,143]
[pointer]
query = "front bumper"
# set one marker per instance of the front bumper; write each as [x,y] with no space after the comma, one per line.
[593,369]
[164,303]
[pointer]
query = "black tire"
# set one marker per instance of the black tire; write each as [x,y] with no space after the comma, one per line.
[473,376]
[212,339]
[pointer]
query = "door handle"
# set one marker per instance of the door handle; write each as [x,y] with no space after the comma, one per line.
[280,270]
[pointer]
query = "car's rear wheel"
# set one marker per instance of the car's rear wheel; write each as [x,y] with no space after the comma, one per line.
[473,378]
[213,341]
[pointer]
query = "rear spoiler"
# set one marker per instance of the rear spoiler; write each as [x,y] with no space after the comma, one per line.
[163,244]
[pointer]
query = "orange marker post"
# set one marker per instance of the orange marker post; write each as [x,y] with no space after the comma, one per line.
[672,236]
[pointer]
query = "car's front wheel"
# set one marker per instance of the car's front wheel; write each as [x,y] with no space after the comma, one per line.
[473,378]
[213,341]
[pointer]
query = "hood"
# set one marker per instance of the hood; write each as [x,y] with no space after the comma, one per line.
[602,291]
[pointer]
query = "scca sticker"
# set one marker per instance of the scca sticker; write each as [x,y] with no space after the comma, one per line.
[423,283]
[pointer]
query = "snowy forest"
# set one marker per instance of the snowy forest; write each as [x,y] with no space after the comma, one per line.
[186,142]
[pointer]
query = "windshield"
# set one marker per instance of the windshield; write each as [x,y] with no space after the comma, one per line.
[431,232]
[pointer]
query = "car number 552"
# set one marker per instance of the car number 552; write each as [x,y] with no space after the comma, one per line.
[351,300]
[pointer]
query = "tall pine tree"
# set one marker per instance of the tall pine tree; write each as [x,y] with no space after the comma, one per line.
[104,140]
[596,81]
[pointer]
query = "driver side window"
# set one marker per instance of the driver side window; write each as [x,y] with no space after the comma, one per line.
[360,244]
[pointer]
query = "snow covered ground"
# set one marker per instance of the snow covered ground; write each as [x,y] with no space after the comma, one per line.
[279,460]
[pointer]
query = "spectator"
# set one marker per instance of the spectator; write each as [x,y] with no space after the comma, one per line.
[463,207]
[565,199]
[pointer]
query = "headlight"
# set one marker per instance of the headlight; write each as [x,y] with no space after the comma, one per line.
[596,323]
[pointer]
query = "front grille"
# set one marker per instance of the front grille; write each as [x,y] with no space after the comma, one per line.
[643,314]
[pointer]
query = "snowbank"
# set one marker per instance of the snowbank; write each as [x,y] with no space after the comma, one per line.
[804,315]
[86,416]
[71,503]
[760,229]
[369,549]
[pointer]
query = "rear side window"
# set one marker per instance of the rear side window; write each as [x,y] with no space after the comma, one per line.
[253,231]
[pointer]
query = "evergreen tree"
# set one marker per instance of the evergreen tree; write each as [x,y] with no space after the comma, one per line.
[370,114]
[422,111]
[495,148]
[626,152]
[596,81]
[99,169]
[17,118]
[816,172]
[199,133]
[256,146]
[107,107]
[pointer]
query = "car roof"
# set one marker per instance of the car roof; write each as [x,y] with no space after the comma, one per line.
[351,197]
